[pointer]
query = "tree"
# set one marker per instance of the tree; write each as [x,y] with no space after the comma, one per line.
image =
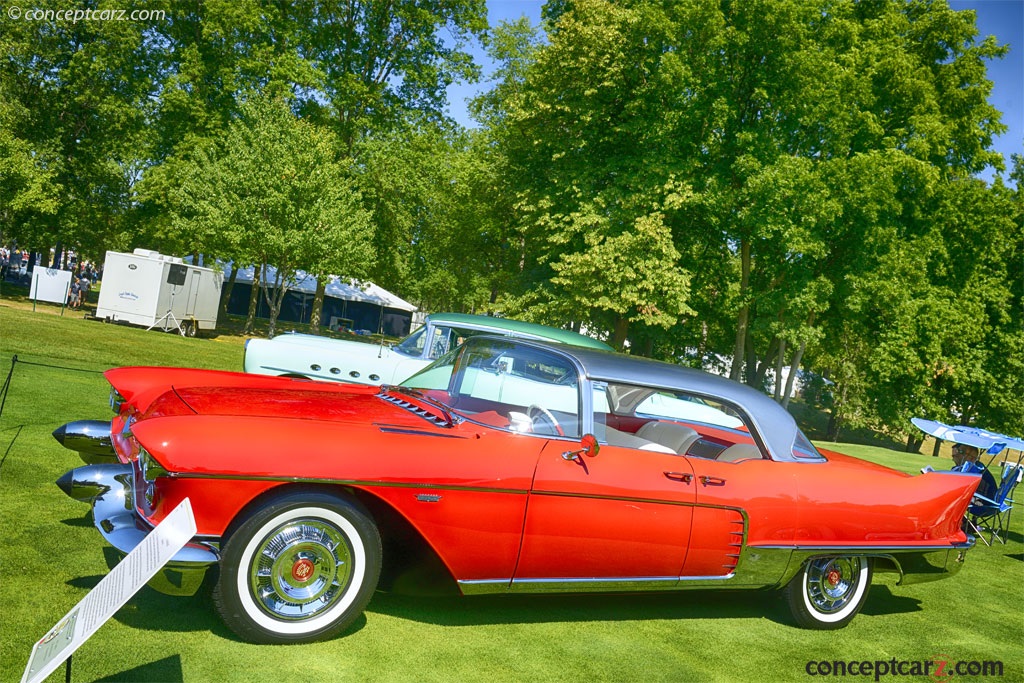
[384,62]
[275,193]
[26,179]
[800,144]
[574,125]
[76,97]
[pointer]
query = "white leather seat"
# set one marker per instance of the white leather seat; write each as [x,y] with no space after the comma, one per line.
[740,451]
[627,440]
[675,436]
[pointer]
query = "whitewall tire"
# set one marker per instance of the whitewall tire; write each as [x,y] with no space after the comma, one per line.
[300,568]
[829,591]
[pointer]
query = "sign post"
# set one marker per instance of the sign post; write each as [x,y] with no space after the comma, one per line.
[115,589]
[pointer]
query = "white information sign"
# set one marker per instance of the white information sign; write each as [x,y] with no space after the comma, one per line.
[50,284]
[133,572]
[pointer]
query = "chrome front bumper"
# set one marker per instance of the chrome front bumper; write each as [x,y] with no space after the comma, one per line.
[109,489]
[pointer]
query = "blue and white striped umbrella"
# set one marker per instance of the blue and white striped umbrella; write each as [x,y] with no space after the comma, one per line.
[990,442]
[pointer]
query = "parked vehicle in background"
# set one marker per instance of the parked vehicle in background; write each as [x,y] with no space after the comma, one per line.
[312,357]
[512,466]
[151,289]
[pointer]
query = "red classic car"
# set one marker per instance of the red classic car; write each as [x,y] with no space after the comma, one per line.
[517,466]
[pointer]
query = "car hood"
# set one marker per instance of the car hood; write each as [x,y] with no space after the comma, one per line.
[358,404]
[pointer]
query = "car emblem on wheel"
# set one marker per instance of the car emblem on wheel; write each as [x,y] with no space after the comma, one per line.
[302,570]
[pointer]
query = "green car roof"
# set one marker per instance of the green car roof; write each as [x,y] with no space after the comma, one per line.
[531,329]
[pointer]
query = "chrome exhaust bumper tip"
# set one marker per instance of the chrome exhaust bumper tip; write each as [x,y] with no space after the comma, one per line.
[90,438]
[92,481]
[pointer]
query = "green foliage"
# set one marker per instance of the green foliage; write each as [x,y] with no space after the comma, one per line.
[272,194]
[437,206]
[819,162]
[74,98]
[753,184]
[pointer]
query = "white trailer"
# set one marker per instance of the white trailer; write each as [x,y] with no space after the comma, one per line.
[151,289]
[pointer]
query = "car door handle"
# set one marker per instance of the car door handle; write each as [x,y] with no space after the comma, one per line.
[711,481]
[684,477]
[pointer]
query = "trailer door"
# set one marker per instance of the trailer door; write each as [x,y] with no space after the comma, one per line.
[193,294]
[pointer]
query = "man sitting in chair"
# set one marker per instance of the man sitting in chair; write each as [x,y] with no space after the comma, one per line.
[966,459]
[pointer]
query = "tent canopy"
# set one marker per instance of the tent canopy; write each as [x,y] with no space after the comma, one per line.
[341,289]
[990,442]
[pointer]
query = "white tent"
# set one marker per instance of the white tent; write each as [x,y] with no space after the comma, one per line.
[349,290]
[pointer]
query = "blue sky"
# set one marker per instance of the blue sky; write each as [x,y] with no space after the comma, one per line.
[1002,18]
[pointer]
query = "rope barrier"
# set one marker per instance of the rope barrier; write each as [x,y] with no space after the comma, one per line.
[54,367]
[7,385]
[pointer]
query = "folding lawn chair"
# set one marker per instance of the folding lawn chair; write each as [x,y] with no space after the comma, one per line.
[993,514]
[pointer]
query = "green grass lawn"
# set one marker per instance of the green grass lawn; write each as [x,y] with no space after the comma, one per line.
[51,557]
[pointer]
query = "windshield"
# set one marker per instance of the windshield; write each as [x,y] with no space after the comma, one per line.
[413,344]
[505,385]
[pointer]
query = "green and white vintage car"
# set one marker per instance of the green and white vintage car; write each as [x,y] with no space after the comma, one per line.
[321,358]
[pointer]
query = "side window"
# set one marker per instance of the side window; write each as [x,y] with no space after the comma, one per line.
[671,422]
[687,407]
[804,449]
[448,339]
[441,342]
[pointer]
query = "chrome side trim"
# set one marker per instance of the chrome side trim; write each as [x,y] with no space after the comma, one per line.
[914,564]
[360,483]
[758,567]
[416,432]
[593,585]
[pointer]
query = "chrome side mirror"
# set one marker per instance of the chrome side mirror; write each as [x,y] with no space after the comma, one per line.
[588,447]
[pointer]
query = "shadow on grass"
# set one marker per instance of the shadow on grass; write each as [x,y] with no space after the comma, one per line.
[153,611]
[84,521]
[529,609]
[882,601]
[150,610]
[167,669]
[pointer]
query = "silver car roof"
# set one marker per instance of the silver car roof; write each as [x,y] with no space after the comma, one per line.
[776,427]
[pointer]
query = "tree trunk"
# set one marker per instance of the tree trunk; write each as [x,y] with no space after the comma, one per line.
[936,447]
[58,252]
[274,299]
[318,305]
[649,347]
[254,301]
[762,368]
[742,321]
[832,433]
[794,367]
[225,296]
[621,330]
[780,361]
[914,443]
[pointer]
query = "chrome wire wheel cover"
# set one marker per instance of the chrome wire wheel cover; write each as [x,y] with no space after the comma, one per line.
[832,582]
[301,569]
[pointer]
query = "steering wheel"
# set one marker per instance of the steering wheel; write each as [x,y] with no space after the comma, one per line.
[543,421]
